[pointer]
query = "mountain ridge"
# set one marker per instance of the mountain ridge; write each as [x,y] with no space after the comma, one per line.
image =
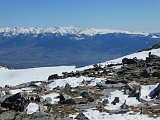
[65,30]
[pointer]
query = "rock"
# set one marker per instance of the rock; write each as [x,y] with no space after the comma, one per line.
[129,61]
[115,81]
[123,106]
[40,116]
[1,93]
[37,90]
[138,95]
[87,95]
[67,89]
[65,101]
[55,76]
[115,101]
[41,108]
[126,91]
[134,86]
[7,90]
[153,56]
[105,102]
[145,74]
[155,92]
[7,115]
[81,116]
[48,100]
[120,111]
[80,101]
[37,99]
[101,84]
[15,102]
[156,74]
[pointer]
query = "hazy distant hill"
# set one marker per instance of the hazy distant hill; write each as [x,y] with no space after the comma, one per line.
[35,47]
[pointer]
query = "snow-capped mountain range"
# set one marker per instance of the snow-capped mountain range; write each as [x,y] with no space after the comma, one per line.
[64,30]
[55,46]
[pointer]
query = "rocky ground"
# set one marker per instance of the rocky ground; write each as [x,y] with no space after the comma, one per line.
[130,89]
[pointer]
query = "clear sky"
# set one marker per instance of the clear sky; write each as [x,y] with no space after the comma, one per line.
[132,15]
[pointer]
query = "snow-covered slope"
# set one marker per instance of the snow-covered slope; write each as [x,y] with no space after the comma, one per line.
[63,30]
[15,77]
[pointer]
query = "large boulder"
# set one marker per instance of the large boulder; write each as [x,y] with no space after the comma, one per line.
[55,76]
[129,61]
[155,92]
[15,102]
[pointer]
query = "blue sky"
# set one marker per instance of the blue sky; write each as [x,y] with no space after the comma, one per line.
[132,15]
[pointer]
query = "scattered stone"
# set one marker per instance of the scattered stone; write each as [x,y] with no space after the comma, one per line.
[85,94]
[145,74]
[67,89]
[37,90]
[115,101]
[123,106]
[7,90]
[48,100]
[138,95]
[134,86]
[81,116]
[105,102]
[1,93]
[41,108]
[65,101]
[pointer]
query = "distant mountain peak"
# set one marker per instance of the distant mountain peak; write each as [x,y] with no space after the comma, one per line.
[64,30]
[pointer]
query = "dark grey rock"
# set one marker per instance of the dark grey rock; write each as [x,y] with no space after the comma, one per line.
[15,102]
[155,92]
[123,106]
[129,61]
[85,94]
[81,116]
[115,101]
[67,89]
[65,101]
[55,76]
